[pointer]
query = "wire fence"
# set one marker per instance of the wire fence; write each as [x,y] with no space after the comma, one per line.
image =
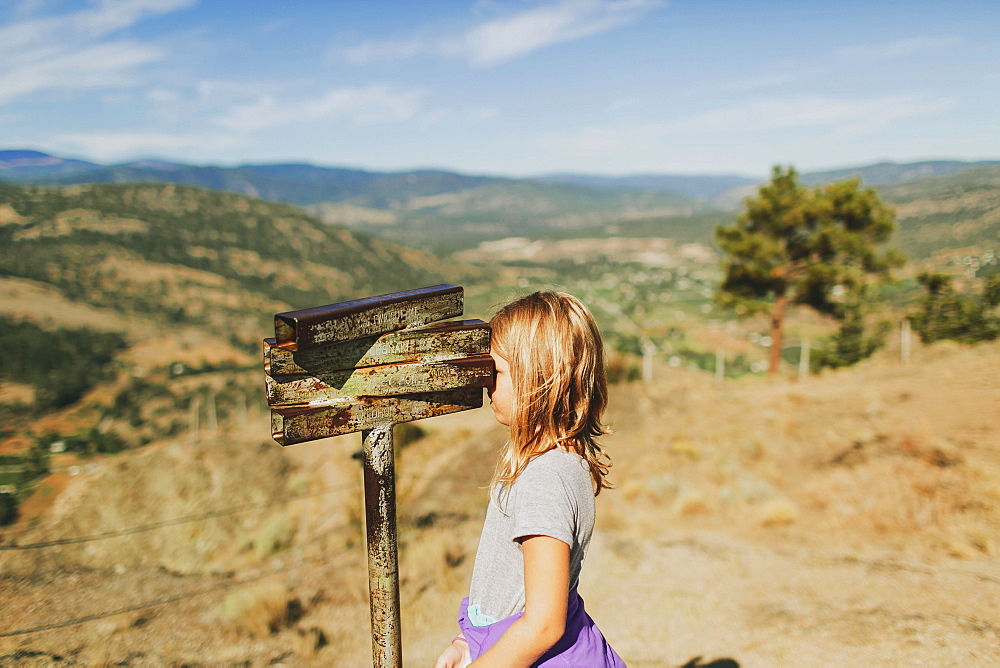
[177,521]
[172,599]
[194,592]
[198,591]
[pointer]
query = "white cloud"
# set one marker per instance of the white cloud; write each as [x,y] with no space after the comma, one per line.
[114,146]
[789,113]
[389,51]
[362,106]
[902,48]
[514,35]
[100,66]
[510,37]
[455,117]
[70,51]
[753,119]
[623,103]
[763,81]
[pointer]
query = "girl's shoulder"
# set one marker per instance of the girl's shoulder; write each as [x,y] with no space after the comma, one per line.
[557,463]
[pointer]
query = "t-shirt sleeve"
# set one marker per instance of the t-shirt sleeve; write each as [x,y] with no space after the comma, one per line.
[544,505]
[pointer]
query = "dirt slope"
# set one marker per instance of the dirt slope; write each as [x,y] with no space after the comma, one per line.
[851,519]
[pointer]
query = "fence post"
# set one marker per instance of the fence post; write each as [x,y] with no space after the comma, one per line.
[804,359]
[904,341]
[383,557]
[195,417]
[648,348]
[211,414]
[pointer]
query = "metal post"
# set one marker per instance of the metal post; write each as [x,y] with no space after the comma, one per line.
[720,367]
[383,561]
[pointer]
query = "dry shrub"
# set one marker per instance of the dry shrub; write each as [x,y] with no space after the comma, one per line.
[894,494]
[778,512]
[308,642]
[258,610]
[971,543]
[682,446]
[275,535]
[689,503]
[439,557]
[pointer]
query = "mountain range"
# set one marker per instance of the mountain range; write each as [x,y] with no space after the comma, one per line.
[306,184]
[446,211]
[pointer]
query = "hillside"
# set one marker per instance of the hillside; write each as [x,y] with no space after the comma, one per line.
[447,212]
[847,520]
[949,217]
[109,293]
[778,518]
[413,206]
[20,164]
[887,173]
[704,187]
[149,249]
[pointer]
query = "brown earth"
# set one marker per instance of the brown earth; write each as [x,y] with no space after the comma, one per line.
[849,519]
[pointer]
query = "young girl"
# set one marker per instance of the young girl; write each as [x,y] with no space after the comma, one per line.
[523,608]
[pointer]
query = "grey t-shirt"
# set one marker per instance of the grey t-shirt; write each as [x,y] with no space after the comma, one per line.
[553,496]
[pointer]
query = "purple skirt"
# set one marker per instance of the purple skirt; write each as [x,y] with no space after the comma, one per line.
[582,645]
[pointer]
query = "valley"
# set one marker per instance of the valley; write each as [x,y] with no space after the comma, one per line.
[769,520]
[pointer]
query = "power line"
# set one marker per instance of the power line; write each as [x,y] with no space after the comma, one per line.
[175,521]
[172,599]
[197,592]
[205,516]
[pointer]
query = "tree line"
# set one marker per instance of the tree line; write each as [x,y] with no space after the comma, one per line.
[60,364]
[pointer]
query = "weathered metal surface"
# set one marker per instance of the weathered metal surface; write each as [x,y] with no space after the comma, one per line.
[380,381]
[291,425]
[334,323]
[383,559]
[436,342]
[366,365]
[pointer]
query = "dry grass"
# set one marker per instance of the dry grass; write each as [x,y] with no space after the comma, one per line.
[258,610]
[847,520]
[274,535]
[778,512]
[45,305]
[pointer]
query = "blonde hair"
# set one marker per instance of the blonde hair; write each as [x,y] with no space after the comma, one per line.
[559,383]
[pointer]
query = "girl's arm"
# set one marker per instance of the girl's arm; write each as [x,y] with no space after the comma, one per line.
[546,595]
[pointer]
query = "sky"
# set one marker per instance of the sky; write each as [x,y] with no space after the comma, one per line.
[504,87]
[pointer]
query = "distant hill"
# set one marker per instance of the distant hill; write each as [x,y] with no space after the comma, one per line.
[446,211]
[183,256]
[885,173]
[438,209]
[726,190]
[704,187]
[959,211]
[292,183]
[301,184]
[20,165]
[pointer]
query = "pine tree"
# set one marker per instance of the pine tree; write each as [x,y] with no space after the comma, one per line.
[798,246]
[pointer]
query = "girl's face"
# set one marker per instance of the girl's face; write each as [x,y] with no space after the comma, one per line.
[501,392]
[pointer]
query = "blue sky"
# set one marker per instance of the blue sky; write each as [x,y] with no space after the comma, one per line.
[512,87]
